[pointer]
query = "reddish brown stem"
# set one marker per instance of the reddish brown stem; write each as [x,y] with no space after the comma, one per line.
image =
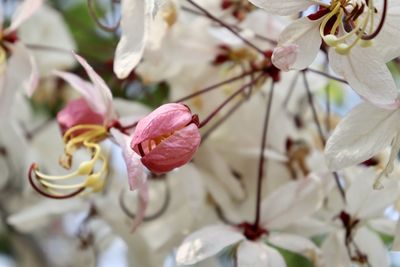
[218,109]
[261,162]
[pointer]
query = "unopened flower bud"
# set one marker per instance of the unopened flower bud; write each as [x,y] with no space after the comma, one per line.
[167,138]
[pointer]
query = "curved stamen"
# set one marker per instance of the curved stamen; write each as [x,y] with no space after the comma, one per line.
[380,25]
[70,131]
[40,191]
[63,187]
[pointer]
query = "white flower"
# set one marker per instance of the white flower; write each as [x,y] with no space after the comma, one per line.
[20,68]
[364,132]
[352,54]
[287,204]
[140,28]
[47,28]
[359,222]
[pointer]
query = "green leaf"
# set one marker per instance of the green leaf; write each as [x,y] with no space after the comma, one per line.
[293,259]
[92,42]
[395,70]
[318,239]
[336,93]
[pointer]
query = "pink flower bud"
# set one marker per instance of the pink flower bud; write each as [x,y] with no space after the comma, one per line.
[167,138]
[77,112]
[285,56]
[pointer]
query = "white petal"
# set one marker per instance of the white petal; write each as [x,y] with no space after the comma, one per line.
[309,227]
[299,245]
[383,225]
[24,11]
[255,254]
[31,81]
[396,241]
[47,28]
[135,22]
[213,162]
[367,73]
[334,250]
[303,33]
[206,243]
[388,39]
[22,70]
[19,72]
[283,8]
[292,202]
[363,201]
[43,213]
[285,56]
[370,244]
[356,137]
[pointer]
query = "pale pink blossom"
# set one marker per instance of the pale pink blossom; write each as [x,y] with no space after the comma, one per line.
[97,95]
[285,56]
[137,177]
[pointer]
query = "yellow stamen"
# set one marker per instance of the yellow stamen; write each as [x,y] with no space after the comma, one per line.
[74,140]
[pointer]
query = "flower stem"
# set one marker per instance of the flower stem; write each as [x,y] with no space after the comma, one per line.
[236,27]
[262,157]
[228,114]
[96,19]
[225,25]
[321,135]
[218,109]
[327,75]
[215,86]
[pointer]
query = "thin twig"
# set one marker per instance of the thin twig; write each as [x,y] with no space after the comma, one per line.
[212,87]
[240,90]
[261,162]
[327,75]
[228,27]
[321,135]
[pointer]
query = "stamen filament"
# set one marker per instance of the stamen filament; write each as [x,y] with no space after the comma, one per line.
[57,186]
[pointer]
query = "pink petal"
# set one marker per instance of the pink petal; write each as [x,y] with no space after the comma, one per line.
[304,33]
[164,120]
[285,56]
[142,206]
[175,151]
[77,112]
[137,177]
[136,173]
[24,11]
[102,91]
